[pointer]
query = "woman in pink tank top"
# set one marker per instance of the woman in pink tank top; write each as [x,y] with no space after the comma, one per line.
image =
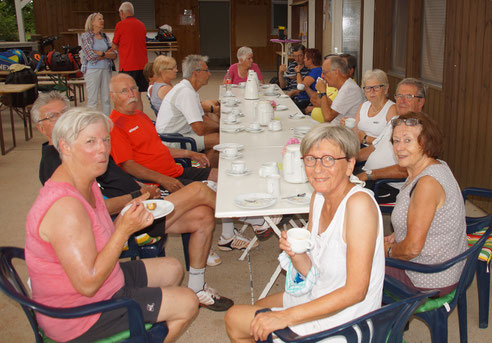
[72,247]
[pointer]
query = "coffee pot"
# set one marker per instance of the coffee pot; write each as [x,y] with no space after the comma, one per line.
[251,90]
[293,166]
[263,112]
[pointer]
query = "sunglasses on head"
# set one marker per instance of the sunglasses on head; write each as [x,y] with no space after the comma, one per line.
[408,122]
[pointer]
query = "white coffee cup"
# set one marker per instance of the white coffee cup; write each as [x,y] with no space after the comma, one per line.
[238,166]
[268,168]
[231,117]
[275,125]
[300,86]
[350,123]
[230,151]
[236,111]
[230,102]
[273,185]
[299,240]
[254,126]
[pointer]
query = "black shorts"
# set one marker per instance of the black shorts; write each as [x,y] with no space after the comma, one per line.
[139,78]
[192,174]
[149,299]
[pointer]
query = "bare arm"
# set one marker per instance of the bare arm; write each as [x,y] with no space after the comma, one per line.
[307,82]
[281,71]
[141,172]
[360,234]
[391,172]
[426,199]
[68,228]
[365,152]
[163,91]
[201,128]
[181,153]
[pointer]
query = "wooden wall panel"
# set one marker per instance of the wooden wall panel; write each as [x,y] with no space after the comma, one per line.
[169,12]
[264,56]
[463,105]
[383,10]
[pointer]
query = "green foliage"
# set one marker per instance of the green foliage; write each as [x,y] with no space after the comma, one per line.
[8,21]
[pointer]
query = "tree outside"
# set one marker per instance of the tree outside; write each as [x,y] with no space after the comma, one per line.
[8,21]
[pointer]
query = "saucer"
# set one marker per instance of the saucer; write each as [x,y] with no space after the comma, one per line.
[226,109]
[297,116]
[232,129]
[255,131]
[220,147]
[254,200]
[274,130]
[231,122]
[270,93]
[231,157]
[228,95]
[233,173]
[281,108]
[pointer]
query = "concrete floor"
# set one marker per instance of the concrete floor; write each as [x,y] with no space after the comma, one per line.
[19,186]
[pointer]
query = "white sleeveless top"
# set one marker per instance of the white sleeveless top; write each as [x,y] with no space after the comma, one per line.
[329,254]
[373,126]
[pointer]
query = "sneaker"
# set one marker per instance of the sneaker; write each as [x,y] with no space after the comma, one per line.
[238,241]
[213,259]
[264,230]
[211,299]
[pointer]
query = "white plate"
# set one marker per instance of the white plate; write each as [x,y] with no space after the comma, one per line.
[233,173]
[228,95]
[283,96]
[297,116]
[258,200]
[274,130]
[270,93]
[305,200]
[226,109]
[301,129]
[231,157]
[220,147]
[281,108]
[232,129]
[255,131]
[265,86]
[163,207]
[231,122]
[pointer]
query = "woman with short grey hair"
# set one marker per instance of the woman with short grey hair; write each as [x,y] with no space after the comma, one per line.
[374,114]
[85,270]
[238,72]
[341,277]
[96,58]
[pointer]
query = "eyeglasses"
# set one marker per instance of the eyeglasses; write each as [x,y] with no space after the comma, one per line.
[327,161]
[408,122]
[172,68]
[53,116]
[207,70]
[373,88]
[407,97]
[125,91]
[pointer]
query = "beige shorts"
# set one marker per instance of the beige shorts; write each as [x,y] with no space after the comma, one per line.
[199,140]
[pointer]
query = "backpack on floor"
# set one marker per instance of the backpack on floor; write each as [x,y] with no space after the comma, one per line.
[9,57]
[20,74]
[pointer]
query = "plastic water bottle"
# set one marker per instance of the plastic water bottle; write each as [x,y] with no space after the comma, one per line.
[228,81]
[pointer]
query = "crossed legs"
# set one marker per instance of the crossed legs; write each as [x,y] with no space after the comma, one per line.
[194,207]
[239,317]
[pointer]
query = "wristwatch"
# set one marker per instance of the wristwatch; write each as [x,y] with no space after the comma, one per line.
[136,194]
[320,95]
[103,54]
[388,252]
[364,140]
[369,174]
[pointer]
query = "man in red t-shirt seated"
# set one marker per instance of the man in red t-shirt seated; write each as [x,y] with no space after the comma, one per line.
[137,148]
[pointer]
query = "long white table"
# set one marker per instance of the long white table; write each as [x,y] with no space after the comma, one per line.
[259,148]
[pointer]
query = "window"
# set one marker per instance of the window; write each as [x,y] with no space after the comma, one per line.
[433,30]
[399,37]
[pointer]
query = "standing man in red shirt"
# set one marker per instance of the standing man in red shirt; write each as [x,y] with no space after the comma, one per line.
[130,41]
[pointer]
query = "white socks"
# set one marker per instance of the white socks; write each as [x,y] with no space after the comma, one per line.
[227,228]
[196,279]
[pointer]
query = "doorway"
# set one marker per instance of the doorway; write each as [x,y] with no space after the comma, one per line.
[215,33]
